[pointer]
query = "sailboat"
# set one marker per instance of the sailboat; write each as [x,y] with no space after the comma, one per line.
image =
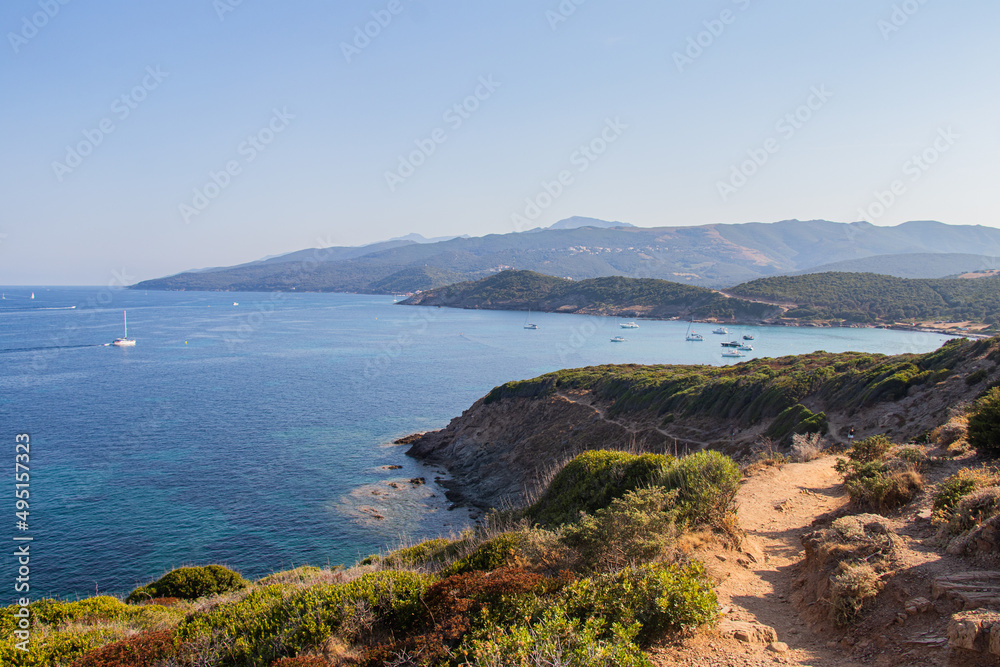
[124,341]
[527,324]
[691,335]
[32,295]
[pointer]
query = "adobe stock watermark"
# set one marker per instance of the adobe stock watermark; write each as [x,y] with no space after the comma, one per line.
[562,12]
[248,150]
[255,319]
[364,34]
[455,116]
[787,127]
[580,160]
[913,169]
[417,323]
[698,43]
[901,14]
[93,306]
[223,7]
[30,26]
[121,108]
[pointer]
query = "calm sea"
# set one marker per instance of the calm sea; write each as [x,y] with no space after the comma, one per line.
[258,435]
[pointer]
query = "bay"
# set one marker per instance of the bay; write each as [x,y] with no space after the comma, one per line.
[257,435]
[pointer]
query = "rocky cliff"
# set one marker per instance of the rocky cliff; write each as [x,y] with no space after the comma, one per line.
[511,441]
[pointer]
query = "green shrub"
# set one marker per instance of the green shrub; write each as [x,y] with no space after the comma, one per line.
[975,377]
[435,550]
[797,419]
[190,583]
[277,621]
[974,508]
[662,599]
[56,648]
[984,424]
[496,552]
[556,639]
[592,480]
[874,448]
[879,486]
[707,483]
[961,484]
[639,527]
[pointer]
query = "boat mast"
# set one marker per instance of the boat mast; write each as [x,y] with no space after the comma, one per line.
[125,315]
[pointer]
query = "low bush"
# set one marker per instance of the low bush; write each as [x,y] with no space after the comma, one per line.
[806,446]
[639,527]
[975,377]
[277,621]
[874,448]
[847,562]
[55,648]
[974,508]
[491,554]
[877,486]
[190,583]
[854,585]
[874,480]
[592,480]
[147,649]
[429,551]
[662,599]
[556,639]
[984,424]
[706,483]
[961,484]
[297,575]
[301,661]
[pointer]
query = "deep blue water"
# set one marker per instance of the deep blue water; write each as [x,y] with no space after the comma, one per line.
[254,435]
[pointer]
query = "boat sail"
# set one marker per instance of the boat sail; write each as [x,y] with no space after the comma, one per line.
[124,341]
[527,324]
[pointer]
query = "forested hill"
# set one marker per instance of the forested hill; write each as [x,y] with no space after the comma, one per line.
[869,297]
[627,297]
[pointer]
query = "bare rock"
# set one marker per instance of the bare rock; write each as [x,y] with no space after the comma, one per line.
[971,590]
[749,632]
[974,630]
[778,647]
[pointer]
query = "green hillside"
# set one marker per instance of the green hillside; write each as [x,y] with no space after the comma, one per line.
[868,297]
[615,295]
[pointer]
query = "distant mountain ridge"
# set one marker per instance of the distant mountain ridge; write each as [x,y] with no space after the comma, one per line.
[717,255]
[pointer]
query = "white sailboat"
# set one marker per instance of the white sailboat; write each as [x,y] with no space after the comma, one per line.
[124,341]
[692,335]
[527,324]
[32,295]
[730,352]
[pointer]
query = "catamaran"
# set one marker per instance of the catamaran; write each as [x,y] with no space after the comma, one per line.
[124,341]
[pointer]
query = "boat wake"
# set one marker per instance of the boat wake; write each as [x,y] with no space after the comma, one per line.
[50,347]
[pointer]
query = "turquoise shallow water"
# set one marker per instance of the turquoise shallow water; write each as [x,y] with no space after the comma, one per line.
[255,435]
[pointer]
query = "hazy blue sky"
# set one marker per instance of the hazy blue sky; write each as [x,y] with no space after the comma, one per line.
[184,85]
